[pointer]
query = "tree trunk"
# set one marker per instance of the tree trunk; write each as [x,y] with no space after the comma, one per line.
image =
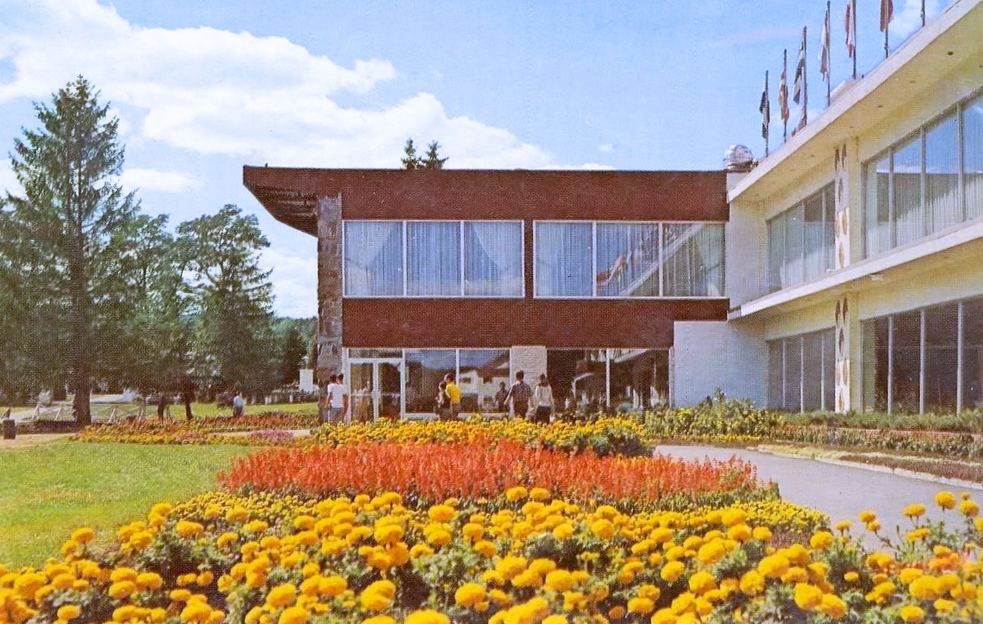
[81,333]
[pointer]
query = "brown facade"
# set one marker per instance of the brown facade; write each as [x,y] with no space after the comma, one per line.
[495,323]
[291,195]
[308,200]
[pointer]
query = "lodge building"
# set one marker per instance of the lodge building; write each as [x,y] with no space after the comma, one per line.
[844,271]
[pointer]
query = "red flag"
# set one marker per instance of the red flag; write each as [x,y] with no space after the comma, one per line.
[824,48]
[783,98]
[887,13]
[851,34]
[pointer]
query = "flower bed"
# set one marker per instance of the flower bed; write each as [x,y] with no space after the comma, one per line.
[480,469]
[269,558]
[605,436]
[199,431]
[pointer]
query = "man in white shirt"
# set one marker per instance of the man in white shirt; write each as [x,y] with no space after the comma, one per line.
[337,399]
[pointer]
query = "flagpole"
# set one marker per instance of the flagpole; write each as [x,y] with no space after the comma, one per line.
[782,111]
[887,27]
[768,116]
[829,54]
[923,13]
[805,82]
[853,18]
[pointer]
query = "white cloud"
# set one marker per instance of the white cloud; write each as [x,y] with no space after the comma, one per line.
[909,18]
[153,180]
[259,99]
[8,181]
[294,280]
[606,148]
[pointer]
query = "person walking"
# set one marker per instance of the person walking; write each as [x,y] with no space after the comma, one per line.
[453,392]
[543,397]
[502,398]
[238,405]
[442,401]
[519,394]
[163,405]
[187,396]
[337,400]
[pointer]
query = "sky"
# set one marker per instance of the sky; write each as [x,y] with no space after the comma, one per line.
[202,88]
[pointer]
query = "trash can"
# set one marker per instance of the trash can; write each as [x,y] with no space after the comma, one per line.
[9,429]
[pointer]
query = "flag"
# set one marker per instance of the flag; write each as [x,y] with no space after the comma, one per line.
[783,98]
[798,85]
[851,34]
[824,48]
[887,13]
[765,109]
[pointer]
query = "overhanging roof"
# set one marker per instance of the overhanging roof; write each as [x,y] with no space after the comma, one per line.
[291,195]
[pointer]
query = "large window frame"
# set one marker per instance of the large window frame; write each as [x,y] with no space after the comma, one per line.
[781,265]
[662,260]
[463,291]
[891,220]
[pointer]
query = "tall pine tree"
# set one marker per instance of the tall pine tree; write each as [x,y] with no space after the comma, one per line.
[64,233]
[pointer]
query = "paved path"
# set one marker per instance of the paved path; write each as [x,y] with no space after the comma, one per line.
[840,491]
[31,439]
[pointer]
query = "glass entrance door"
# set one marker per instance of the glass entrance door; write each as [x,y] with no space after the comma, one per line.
[376,388]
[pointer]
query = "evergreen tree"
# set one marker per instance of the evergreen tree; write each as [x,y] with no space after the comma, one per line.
[232,300]
[432,160]
[64,234]
[410,160]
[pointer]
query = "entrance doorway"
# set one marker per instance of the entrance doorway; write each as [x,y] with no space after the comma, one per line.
[376,388]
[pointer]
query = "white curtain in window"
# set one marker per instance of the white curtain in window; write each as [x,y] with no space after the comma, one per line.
[627,259]
[973,157]
[563,259]
[906,178]
[373,258]
[433,258]
[694,265]
[493,258]
[877,223]
[942,175]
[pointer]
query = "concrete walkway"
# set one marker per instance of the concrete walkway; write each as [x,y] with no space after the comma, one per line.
[838,490]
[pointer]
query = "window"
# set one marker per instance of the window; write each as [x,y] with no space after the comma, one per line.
[800,241]
[441,259]
[801,372]
[631,259]
[373,260]
[564,253]
[927,183]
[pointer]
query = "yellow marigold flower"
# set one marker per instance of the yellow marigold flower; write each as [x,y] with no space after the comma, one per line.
[559,580]
[752,583]
[642,606]
[915,510]
[121,590]
[711,552]
[672,571]
[851,577]
[616,612]
[821,540]
[510,566]
[527,578]
[379,619]
[907,575]
[843,526]
[226,539]
[427,616]
[539,494]
[149,580]
[378,596]
[162,509]
[773,566]
[516,493]
[294,615]
[439,537]
[441,513]
[733,516]
[282,595]
[562,531]
[969,508]
[665,616]
[912,614]
[555,619]
[762,534]
[918,534]
[832,606]
[69,612]
[469,594]
[740,532]
[702,582]
[924,588]
[388,534]
[188,529]
[83,536]
[472,531]
[499,597]
[945,500]
[304,523]
[603,529]
[196,612]
[661,535]
[123,574]
[332,586]
[944,606]
[867,516]
[807,596]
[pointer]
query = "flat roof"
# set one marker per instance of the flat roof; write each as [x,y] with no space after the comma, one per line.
[291,194]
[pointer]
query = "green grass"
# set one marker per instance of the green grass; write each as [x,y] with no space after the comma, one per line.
[47,491]
[211,410]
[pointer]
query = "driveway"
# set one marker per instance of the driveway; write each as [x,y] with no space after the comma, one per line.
[840,491]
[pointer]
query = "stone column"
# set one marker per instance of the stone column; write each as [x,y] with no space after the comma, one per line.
[329,261]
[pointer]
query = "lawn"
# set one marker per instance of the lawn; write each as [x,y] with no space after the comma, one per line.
[209,410]
[46,491]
